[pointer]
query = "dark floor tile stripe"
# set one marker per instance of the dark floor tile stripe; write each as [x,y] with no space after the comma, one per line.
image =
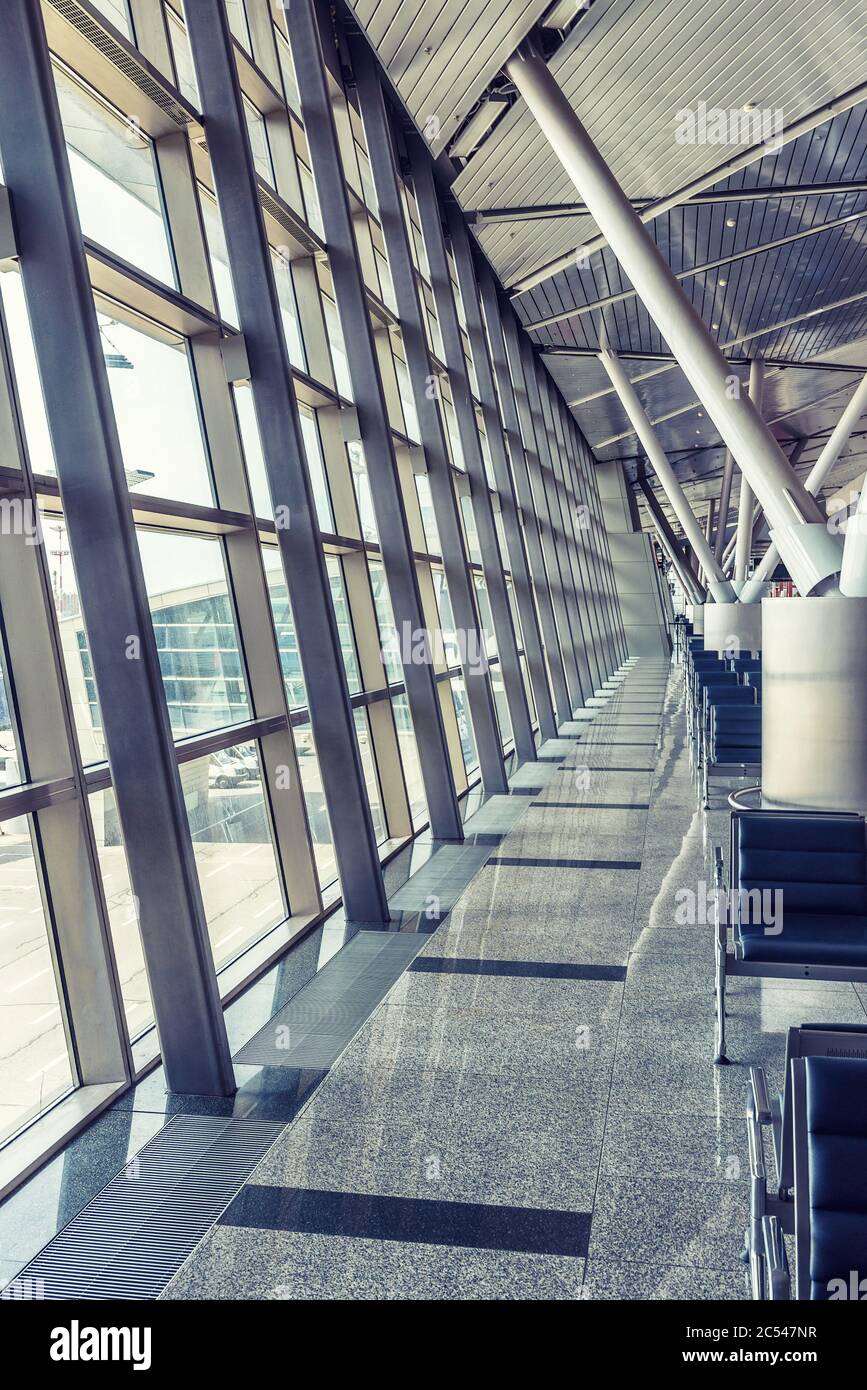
[518,862]
[585,768]
[516,969]
[525,791]
[479,1226]
[593,805]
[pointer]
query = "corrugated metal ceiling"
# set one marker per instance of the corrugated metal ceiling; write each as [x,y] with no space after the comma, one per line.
[629,66]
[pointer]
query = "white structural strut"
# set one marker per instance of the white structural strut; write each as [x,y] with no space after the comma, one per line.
[788,506]
[853,580]
[705,180]
[815,480]
[725,495]
[744,541]
[719,586]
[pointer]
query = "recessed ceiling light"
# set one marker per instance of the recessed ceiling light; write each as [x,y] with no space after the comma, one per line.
[723,282]
[731,222]
[749,106]
[714,325]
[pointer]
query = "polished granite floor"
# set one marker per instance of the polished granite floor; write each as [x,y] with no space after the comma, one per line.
[533,1112]
[532,1109]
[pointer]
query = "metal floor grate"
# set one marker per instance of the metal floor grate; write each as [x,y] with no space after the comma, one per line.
[314,1027]
[135,1234]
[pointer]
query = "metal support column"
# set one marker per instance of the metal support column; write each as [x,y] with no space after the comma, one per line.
[527,571]
[283,451]
[96,503]
[430,215]
[812,557]
[376,437]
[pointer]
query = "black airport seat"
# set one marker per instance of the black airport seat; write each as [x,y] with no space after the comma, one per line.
[775,1115]
[796,904]
[829,1121]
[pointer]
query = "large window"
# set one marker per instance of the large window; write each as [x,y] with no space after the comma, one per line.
[115,179]
[35,1065]
[233,844]
[195,630]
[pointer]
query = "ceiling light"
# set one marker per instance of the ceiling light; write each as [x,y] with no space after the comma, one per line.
[714,325]
[723,282]
[478,126]
[749,106]
[731,222]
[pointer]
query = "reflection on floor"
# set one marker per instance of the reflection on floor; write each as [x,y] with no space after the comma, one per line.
[532,1109]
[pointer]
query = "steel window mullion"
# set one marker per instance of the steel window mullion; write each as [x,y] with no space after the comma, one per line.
[513,402]
[591,597]
[513,678]
[592,568]
[546,669]
[421,372]
[524,365]
[373,423]
[567,550]
[283,451]
[97,510]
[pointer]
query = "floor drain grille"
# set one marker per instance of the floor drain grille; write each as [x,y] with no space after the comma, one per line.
[314,1027]
[135,1234]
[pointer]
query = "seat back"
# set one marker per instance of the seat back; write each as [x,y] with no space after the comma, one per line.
[742,664]
[812,1040]
[735,730]
[830,1138]
[816,858]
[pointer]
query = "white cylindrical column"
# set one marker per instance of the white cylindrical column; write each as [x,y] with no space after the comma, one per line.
[717,583]
[853,580]
[814,703]
[746,501]
[734,628]
[757,453]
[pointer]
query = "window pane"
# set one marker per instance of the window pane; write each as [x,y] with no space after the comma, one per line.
[232,842]
[238,22]
[27,381]
[344,624]
[259,143]
[388,640]
[115,10]
[363,496]
[122,913]
[465,728]
[194,625]
[409,758]
[115,180]
[287,642]
[316,471]
[338,348]
[163,449]
[314,801]
[428,519]
[35,1067]
[219,256]
[288,310]
[184,67]
[502,704]
[368,762]
[11,764]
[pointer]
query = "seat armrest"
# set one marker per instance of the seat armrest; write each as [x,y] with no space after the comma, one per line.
[761,1099]
[779,1283]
